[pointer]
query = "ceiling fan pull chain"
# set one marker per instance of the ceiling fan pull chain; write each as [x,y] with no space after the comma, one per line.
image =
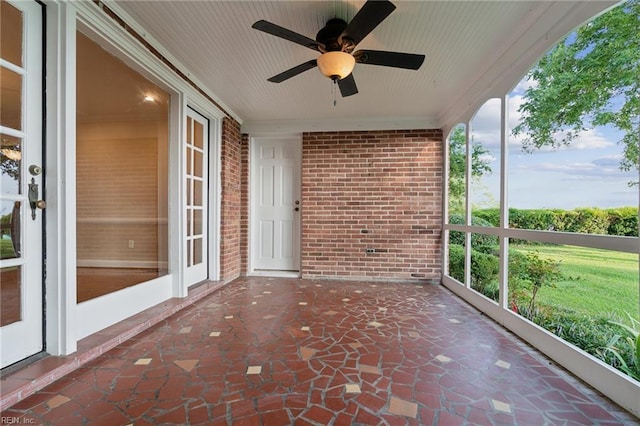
[334,83]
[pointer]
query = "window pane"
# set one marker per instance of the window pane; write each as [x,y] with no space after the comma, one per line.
[189,155]
[189,131]
[485,164]
[456,255]
[11,230]
[197,251]
[10,99]
[197,193]
[198,163]
[11,295]
[10,33]
[485,265]
[197,222]
[121,139]
[578,187]
[189,191]
[575,292]
[198,135]
[10,163]
[457,166]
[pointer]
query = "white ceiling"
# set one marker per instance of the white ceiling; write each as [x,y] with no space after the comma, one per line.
[472,48]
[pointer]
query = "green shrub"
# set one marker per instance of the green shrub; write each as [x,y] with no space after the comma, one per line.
[457,237]
[607,340]
[540,219]
[492,215]
[623,221]
[590,334]
[484,269]
[492,249]
[582,221]
[532,272]
[456,262]
[625,347]
[484,273]
[518,261]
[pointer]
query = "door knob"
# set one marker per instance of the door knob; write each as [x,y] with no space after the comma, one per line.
[35,170]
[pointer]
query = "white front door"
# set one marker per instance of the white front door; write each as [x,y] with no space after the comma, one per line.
[196,149]
[22,180]
[275,204]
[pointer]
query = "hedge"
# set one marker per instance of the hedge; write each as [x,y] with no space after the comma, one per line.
[484,266]
[621,221]
[457,237]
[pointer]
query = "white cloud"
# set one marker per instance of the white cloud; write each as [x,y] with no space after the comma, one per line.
[590,139]
[608,160]
[523,85]
[485,125]
[600,168]
[488,158]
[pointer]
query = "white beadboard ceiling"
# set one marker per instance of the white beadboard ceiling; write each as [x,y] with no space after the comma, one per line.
[472,48]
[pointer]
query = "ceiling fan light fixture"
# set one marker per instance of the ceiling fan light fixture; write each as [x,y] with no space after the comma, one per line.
[336,65]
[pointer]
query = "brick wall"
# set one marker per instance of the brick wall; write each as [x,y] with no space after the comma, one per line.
[231,200]
[378,190]
[121,177]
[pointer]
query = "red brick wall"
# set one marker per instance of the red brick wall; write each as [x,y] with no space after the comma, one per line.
[380,190]
[230,204]
[119,164]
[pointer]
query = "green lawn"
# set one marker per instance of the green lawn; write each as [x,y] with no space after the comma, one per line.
[6,249]
[595,282]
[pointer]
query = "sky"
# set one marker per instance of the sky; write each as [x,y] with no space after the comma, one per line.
[585,174]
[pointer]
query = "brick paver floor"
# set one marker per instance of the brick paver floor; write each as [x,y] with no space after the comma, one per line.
[271,351]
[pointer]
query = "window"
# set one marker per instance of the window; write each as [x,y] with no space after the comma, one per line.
[122,174]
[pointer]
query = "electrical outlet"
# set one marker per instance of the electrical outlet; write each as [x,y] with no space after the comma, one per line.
[132,244]
[371,250]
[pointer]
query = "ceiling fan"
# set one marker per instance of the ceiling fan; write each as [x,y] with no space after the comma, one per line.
[336,42]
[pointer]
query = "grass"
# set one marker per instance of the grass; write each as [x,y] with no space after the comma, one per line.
[6,249]
[595,282]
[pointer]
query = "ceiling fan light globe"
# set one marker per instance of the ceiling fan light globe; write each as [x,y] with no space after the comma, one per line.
[336,65]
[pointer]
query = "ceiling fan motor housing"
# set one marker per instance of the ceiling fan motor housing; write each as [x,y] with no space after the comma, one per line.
[329,36]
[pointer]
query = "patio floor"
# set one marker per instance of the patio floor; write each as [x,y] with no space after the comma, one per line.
[272,351]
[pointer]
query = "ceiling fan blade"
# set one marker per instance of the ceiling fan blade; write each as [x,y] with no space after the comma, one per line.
[368,17]
[292,72]
[348,86]
[286,34]
[408,61]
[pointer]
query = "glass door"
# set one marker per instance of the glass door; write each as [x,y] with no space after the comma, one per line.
[22,180]
[196,148]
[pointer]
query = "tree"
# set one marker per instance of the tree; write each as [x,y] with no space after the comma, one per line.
[457,166]
[592,77]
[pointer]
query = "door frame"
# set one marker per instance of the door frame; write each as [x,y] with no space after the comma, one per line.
[252,251]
